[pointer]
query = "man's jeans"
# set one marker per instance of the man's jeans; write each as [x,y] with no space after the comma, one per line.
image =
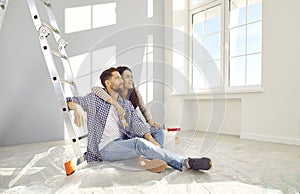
[121,149]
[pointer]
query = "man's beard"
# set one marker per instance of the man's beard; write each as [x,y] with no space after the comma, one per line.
[118,90]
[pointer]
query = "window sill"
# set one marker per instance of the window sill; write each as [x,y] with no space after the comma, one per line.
[232,93]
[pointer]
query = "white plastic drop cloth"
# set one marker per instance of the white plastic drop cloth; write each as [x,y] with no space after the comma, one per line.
[239,166]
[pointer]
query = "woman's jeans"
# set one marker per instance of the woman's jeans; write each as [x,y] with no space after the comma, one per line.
[121,149]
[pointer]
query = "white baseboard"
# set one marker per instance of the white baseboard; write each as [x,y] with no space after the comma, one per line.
[283,140]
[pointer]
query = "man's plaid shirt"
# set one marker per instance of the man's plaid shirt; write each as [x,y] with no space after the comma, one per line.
[97,112]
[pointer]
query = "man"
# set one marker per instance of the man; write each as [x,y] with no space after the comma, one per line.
[106,132]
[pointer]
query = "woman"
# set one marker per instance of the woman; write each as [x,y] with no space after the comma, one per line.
[129,92]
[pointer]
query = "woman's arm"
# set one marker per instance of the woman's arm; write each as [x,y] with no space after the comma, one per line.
[146,113]
[101,93]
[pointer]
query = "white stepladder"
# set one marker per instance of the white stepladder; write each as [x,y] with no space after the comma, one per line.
[45,29]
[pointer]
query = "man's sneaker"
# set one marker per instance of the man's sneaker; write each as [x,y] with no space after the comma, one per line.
[155,165]
[199,163]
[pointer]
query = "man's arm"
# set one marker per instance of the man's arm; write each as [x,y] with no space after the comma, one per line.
[80,106]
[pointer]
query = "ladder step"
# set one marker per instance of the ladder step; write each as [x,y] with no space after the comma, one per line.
[67,82]
[81,137]
[59,54]
[46,2]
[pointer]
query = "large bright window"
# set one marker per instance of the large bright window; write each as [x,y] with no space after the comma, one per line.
[227,43]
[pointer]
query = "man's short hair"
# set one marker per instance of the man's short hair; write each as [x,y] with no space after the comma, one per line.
[107,74]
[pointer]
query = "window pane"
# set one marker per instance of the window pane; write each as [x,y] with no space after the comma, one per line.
[213,20]
[200,53]
[254,69]
[237,12]
[213,75]
[198,79]
[212,44]
[237,41]
[254,10]
[254,38]
[198,30]
[237,71]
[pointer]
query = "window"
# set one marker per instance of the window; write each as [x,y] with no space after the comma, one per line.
[239,64]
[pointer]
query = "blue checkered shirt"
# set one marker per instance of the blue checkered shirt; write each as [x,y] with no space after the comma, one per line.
[97,112]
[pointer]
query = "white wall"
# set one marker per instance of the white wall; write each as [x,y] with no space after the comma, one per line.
[272,115]
[29,109]
[275,115]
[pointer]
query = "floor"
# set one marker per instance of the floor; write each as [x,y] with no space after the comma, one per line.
[239,166]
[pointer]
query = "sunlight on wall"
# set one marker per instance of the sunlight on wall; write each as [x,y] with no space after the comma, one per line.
[78,19]
[150,9]
[147,87]
[104,15]
[88,17]
[87,67]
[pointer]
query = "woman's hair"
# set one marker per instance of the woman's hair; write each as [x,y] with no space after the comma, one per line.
[132,94]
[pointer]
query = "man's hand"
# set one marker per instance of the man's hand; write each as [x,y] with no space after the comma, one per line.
[79,115]
[154,124]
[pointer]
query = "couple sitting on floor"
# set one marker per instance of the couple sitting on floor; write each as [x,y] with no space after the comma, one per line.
[116,132]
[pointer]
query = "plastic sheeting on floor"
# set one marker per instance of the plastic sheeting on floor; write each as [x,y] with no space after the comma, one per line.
[239,166]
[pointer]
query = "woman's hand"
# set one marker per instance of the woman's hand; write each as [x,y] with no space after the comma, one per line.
[154,124]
